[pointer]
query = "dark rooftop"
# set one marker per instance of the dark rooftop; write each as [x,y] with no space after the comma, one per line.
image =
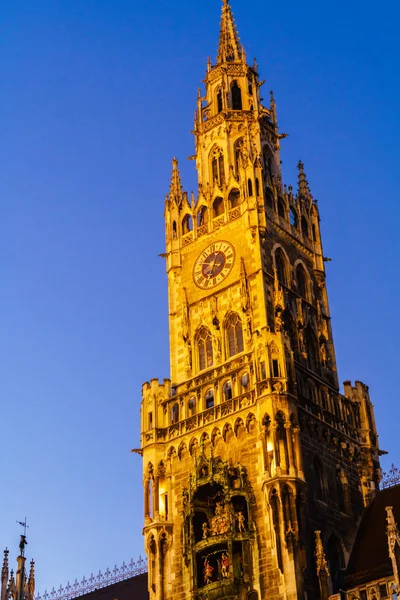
[134,588]
[369,559]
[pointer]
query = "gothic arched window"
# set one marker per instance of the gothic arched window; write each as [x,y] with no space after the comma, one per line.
[301,281]
[250,187]
[204,348]
[236,151]
[202,216]
[175,414]
[219,101]
[304,227]
[236,96]
[233,198]
[234,333]
[294,219]
[217,167]
[312,352]
[227,390]
[281,208]
[187,224]
[218,207]
[320,483]
[269,198]
[281,266]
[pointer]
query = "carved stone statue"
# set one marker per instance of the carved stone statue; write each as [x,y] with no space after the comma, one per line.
[206,530]
[225,565]
[207,571]
[241,521]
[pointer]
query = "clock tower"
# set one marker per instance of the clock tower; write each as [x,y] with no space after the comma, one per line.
[256,469]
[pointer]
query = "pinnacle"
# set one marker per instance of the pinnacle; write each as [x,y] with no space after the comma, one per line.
[303,187]
[229,48]
[175,189]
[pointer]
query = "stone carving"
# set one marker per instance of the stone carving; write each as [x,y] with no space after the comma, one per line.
[241,521]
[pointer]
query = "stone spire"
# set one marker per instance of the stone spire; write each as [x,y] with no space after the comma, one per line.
[4,575]
[303,189]
[175,190]
[229,48]
[322,567]
[30,587]
[393,536]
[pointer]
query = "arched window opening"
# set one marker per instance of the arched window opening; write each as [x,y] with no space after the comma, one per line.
[227,390]
[324,399]
[294,219]
[289,508]
[312,352]
[267,159]
[320,481]
[282,453]
[174,230]
[205,348]
[245,381]
[218,167]
[314,233]
[218,207]
[304,227]
[250,87]
[340,490]
[281,266]
[175,414]
[257,187]
[187,224]
[236,96]
[209,397]
[192,406]
[234,334]
[219,101]
[202,216]
[269,198]
[249,187]
[274,502]
[301,281]
[281,208]
[234,198]
[334,556]
[237,148]
[310,391]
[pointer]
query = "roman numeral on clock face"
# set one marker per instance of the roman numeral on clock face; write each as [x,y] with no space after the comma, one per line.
[213,264]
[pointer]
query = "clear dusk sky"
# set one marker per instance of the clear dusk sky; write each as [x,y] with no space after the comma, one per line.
[96,98]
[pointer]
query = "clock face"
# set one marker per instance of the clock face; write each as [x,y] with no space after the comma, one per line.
[213,264]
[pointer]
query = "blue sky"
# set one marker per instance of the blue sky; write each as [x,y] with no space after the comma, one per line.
[96,98]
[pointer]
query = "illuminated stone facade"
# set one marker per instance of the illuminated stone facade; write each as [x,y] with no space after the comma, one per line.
[249,449]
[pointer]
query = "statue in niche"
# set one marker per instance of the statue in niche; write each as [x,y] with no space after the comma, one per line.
[185,497]
[225,565]
[279,323]
[241,521]
[217,344]
[206,530]
[207,571]
[188,357]
[204,471]
[220,523]
[302,341]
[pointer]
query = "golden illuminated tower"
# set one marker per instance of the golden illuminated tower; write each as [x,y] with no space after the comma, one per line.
[249,449]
